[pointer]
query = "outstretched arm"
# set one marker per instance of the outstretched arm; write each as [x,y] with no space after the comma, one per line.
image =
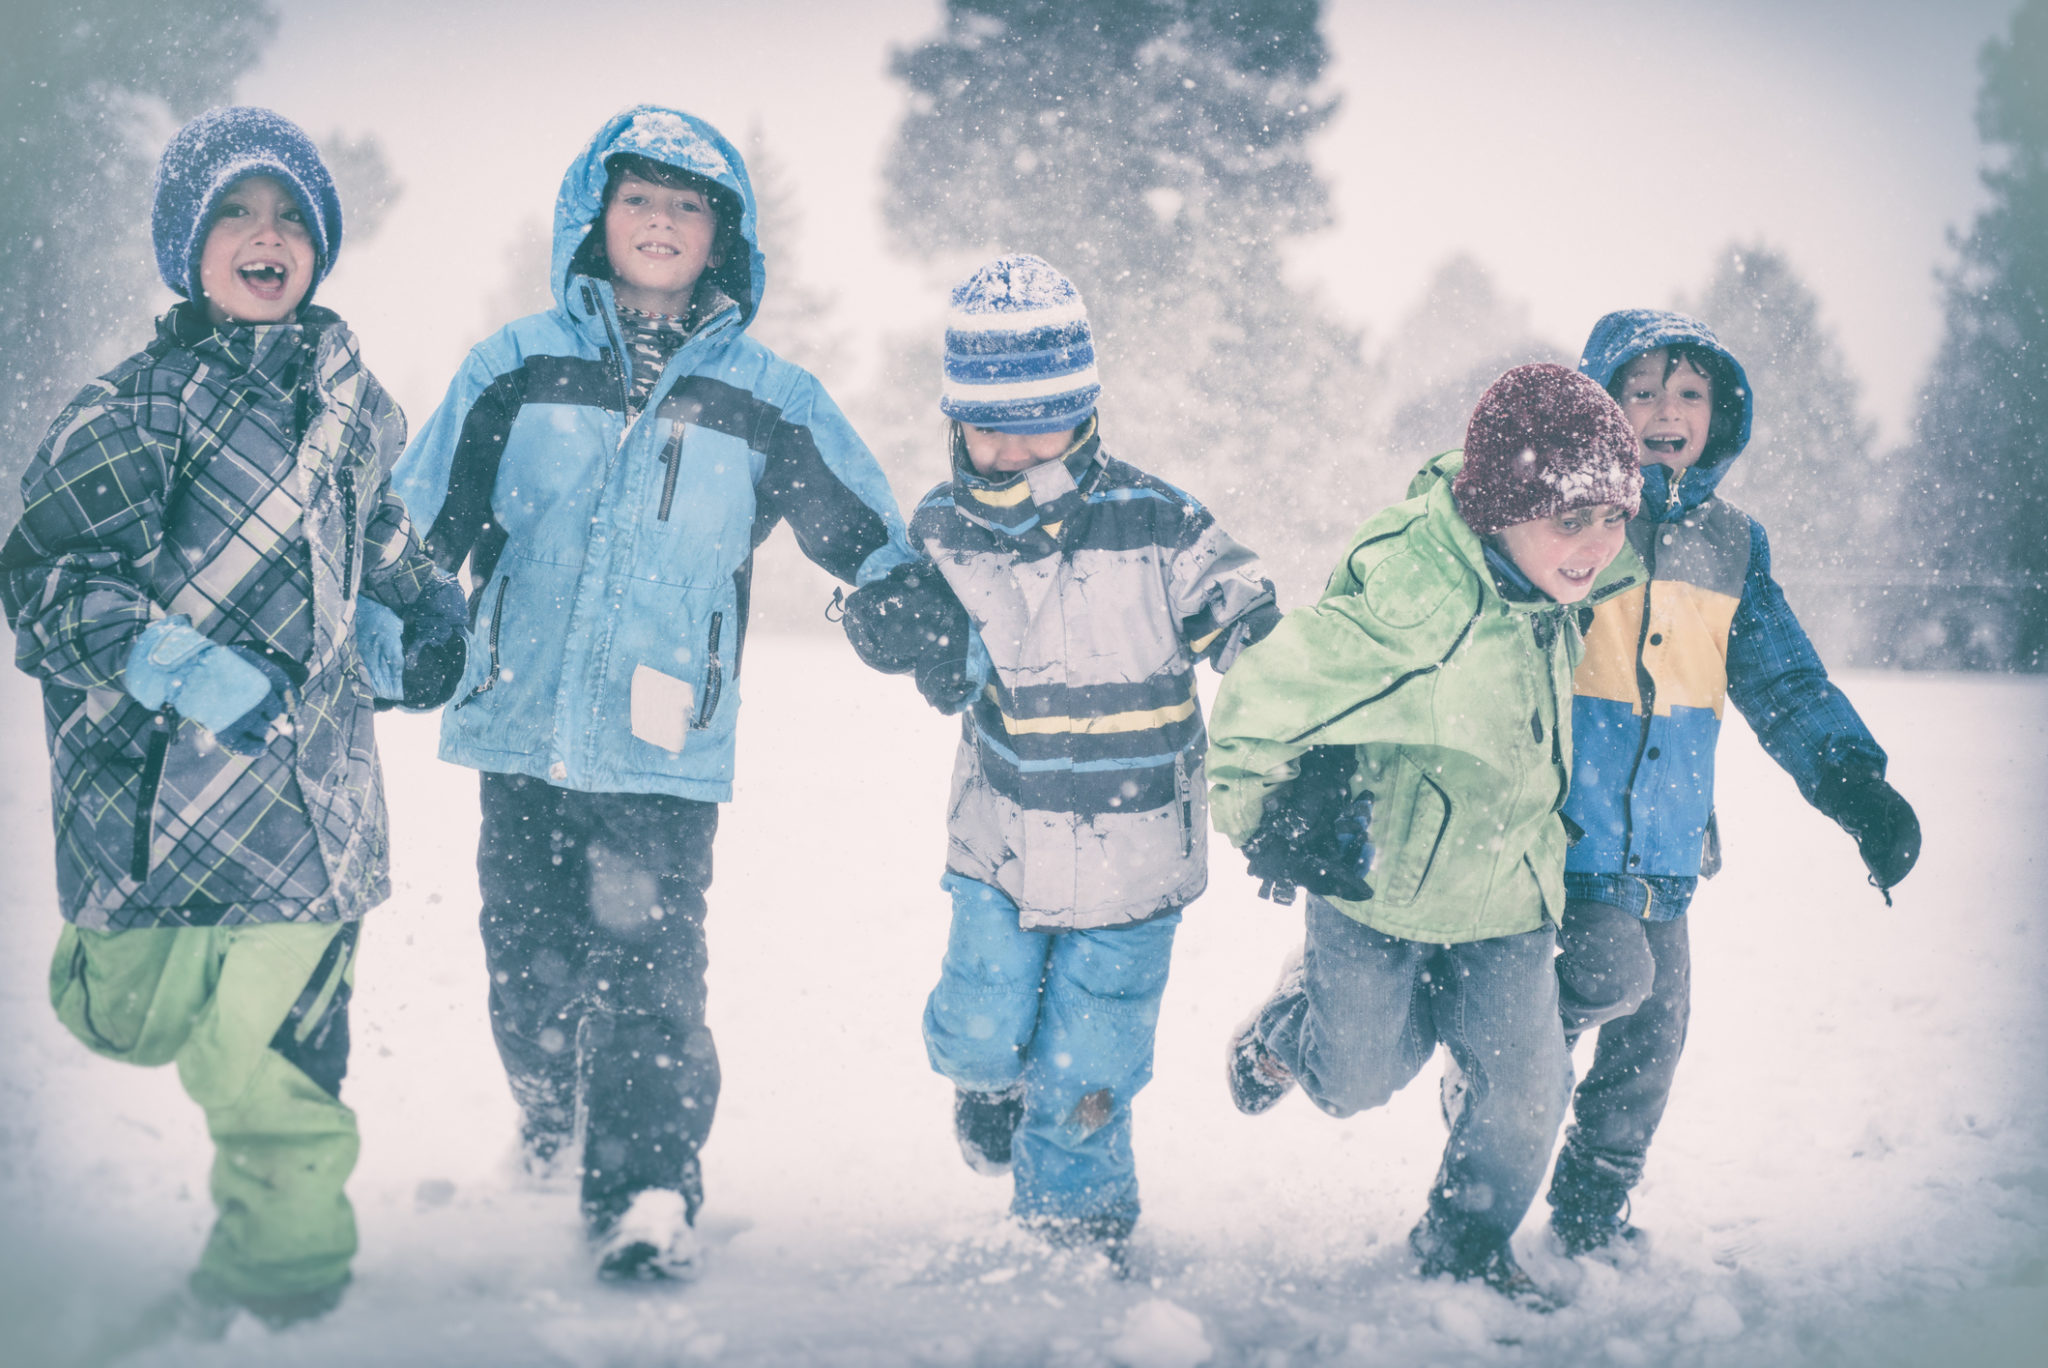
[1807,724]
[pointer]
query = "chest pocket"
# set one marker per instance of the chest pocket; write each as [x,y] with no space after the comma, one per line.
[697,506]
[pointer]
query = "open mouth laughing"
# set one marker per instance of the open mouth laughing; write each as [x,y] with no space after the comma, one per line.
[264,279]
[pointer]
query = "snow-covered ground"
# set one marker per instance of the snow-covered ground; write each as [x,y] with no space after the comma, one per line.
[1854,1170]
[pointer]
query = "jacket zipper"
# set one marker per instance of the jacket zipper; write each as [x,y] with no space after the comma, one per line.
[345,478]
[714,677]
[672,457]
[145,796]
[1183,791]
[1646,688]
[613,355]
[497,620]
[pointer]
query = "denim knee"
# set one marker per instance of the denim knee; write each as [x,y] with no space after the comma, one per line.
[1605,968]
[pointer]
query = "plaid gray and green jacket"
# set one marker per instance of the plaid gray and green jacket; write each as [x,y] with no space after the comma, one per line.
[236,475]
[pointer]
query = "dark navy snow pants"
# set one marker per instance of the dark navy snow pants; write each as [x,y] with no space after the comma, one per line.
[1631,979]
[593,927]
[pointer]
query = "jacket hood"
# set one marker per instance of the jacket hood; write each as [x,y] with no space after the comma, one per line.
[675,139]
[1625,334]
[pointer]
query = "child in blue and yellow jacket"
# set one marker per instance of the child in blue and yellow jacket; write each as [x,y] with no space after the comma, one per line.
[1710,626]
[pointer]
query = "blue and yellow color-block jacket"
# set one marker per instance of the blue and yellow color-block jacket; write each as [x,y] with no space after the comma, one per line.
[1662,660]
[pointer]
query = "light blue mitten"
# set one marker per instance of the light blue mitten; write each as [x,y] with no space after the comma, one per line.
[380,641]
[174,665]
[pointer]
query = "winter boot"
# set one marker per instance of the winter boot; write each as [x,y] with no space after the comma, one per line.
[984,1123]
[1258,1080]
[1475,1256]
[1589,1206]
[652,1242]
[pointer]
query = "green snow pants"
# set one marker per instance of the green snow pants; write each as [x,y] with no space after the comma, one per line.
[256,1018]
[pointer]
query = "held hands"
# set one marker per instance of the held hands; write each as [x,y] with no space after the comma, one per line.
[435,649]
[233,692]
[909,622]
[1886,830]
[1315,835]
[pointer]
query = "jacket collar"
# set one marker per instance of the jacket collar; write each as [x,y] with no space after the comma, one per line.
[274,355]
[1040,502]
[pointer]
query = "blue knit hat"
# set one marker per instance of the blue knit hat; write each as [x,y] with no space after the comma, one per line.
[207,157]
[1019,356]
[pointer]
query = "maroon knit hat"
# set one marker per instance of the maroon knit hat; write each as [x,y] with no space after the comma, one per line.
[1543,440]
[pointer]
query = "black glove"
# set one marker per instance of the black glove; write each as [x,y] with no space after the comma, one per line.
[1314,834]
[908,622]
[435,649]
[1877,815]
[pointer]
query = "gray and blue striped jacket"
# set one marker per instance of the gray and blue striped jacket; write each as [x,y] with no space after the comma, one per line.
[1094,588]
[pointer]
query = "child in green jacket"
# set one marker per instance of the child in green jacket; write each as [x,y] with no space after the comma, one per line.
[1422,709]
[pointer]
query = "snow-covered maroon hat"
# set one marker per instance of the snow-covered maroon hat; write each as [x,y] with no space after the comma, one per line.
[216,152]
[1019,354]
[1544,440]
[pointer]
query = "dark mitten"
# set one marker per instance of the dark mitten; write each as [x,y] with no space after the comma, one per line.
[435,649]
[249,734]
[908,622]
[1315,835]
[1886,830]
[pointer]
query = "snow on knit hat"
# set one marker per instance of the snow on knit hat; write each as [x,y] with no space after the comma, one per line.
[1019,355]
[207,157]
[1544,440]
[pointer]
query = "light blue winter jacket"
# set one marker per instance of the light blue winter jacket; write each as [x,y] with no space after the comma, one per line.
[610,555]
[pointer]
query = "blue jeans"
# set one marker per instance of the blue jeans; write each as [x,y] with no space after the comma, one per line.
[1071,1015]
[1630,978]
[1370,1010]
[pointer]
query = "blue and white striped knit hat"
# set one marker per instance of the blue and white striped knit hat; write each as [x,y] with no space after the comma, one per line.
[1019,356]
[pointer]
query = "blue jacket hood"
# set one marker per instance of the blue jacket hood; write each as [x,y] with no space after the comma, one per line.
[1622,336]
[675,139]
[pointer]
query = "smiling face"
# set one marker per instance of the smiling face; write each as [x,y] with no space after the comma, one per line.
[258,260]
[1563,553]
[993,453]
[659,240]
[1670,407]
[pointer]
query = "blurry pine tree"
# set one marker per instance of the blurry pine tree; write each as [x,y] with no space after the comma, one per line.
[1156,153]
[1811,473]
[1441,357]
[1981,534]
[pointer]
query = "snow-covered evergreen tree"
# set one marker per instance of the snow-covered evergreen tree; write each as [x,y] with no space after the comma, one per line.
[1812,473]
[1441,357]
[1983,421]
[1156,153]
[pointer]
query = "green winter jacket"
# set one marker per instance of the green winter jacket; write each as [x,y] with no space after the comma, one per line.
[1458,701]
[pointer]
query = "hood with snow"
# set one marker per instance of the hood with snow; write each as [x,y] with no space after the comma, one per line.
[1619,338]
[687,143]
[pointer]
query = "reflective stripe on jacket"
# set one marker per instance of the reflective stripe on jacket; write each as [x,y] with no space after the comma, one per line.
[1094,589]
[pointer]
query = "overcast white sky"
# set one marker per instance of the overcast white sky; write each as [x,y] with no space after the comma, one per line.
[1592,154]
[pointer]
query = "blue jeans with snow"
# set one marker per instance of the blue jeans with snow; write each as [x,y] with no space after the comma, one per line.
[1370,1010]
[1072,1015]
[1631,979]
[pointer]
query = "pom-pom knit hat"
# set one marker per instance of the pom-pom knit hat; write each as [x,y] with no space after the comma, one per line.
[1019,355]
[1544,440]
[206,158]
